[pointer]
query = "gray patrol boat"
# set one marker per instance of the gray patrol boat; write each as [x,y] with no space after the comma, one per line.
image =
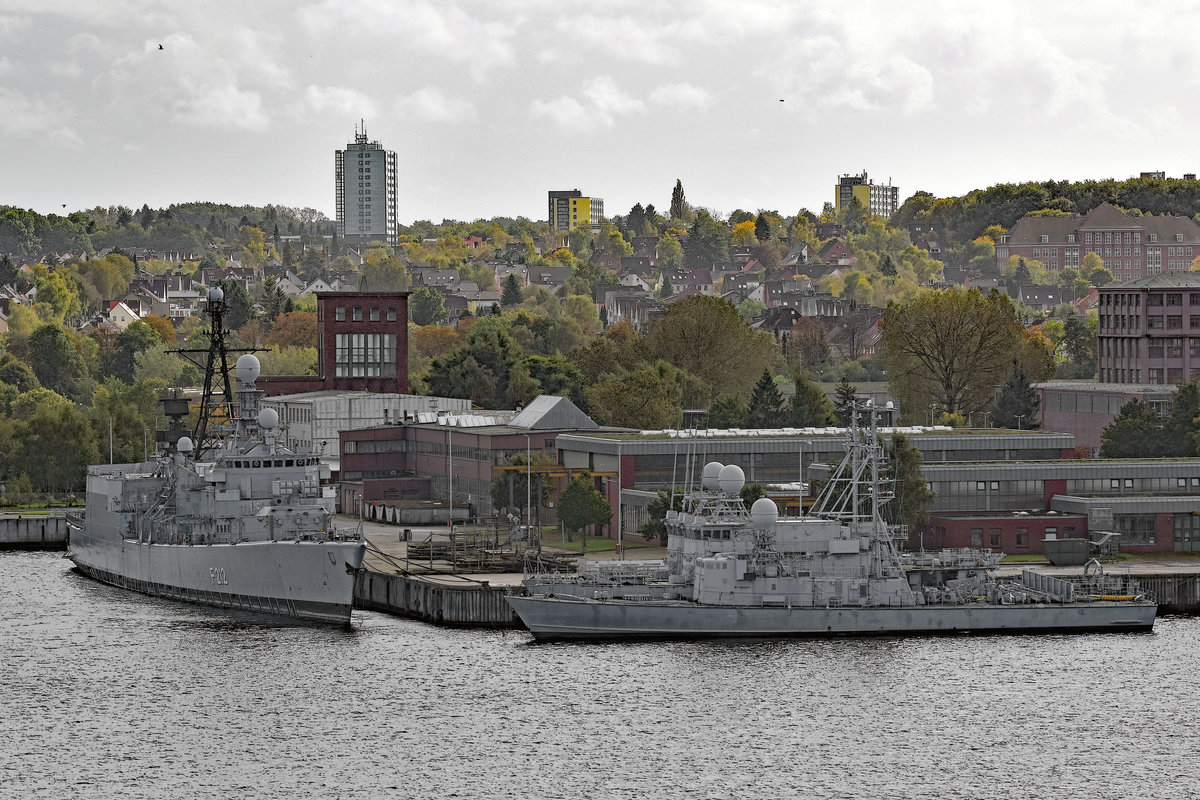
[224,517]
[838,570]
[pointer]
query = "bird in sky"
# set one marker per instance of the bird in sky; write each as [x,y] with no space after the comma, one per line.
[160,47]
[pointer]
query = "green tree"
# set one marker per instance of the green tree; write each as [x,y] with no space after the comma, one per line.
[670,254]
[762,228]
[913,497]
[55,360]
[766,404]
[727,411]
[809,406]
[707,243]
[1136,432]
[647,399]
[655,527]
[843,400]
[1017,405]
[479,367]
[426,306]
[952,347]
[57,444]
[1180,428]
[511,294]
[706,337]
[137,337]
[581,505]
[666,290]
[679,204]
[239,305]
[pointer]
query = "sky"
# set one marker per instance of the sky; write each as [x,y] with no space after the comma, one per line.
[754,104]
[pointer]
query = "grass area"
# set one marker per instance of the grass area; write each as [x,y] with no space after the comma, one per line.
[1025,558]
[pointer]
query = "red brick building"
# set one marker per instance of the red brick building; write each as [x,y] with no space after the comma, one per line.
[1131,247]
[362,345]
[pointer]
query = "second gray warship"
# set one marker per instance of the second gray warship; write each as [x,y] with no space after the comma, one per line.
[837,570]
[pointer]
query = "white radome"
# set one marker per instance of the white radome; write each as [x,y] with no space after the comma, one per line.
[732,479]
[248,368]
[711,475]
[268,418]
[216,294]
[764,514]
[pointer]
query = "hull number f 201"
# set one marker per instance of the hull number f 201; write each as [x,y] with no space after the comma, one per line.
[217,574]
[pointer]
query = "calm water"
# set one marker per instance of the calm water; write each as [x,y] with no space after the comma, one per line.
[108,694]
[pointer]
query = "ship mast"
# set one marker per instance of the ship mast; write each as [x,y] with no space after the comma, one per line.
[216,411]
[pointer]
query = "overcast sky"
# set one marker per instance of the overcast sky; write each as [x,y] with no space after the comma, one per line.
[490,104]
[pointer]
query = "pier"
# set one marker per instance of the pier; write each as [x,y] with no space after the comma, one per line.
[33,531]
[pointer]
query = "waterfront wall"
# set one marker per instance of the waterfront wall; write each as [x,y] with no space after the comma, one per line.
[471,603]
[33,532]
[1176,592]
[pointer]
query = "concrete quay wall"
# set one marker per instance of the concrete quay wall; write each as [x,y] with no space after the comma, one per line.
[1176,592]
[33,532]
[466,603]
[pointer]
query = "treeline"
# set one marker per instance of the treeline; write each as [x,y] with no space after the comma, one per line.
[185,228]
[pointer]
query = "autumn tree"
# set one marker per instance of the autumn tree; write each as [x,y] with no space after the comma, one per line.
[706,337]
[953,347]
[646,398]
[294,329]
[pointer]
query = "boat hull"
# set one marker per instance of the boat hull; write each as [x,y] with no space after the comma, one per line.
[304,579]
[561,618]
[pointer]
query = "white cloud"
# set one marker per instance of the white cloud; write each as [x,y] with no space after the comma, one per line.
[441,31]
[682,96]
[21,116]
[5,65]
[224,106]
[603,101]
[565,112]
[341,101]
[432,105]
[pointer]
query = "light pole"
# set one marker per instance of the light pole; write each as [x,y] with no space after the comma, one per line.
[620,549]
[528,486]
[1019,416]
[450,470]
[932,412]
[145,444]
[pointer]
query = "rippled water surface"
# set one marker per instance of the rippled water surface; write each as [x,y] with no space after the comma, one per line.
[109,694]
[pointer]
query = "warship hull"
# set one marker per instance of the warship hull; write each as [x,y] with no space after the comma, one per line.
[306,580]
[557,618]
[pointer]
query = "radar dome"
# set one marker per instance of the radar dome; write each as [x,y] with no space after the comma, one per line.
[248,368]
[184,445]
[712,472]
[731,479]
[268,418]
[216,294]
[763,514]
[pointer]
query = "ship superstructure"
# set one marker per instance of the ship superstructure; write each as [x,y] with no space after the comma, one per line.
[224,516]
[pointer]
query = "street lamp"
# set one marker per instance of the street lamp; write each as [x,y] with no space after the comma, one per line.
[932,413]
[1019,417]
[528,486]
